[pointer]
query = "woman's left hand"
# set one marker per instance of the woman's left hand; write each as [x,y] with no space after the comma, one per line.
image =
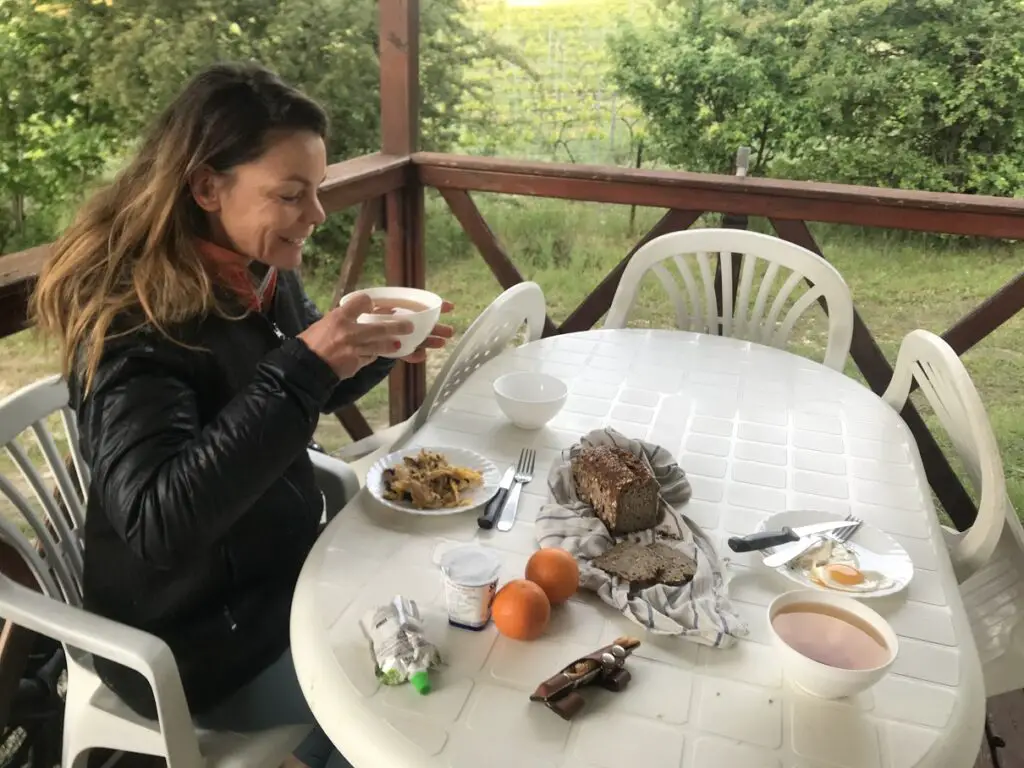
[437,339]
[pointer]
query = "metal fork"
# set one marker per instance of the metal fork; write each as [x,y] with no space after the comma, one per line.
[524,474]
[787,553]
[844,534]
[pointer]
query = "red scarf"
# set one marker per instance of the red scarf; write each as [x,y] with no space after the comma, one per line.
[232,270]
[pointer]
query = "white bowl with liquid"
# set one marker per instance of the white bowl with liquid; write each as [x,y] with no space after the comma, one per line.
[831,645]
[419,307]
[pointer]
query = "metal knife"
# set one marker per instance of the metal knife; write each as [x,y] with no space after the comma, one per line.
[789,552]
[769,539]
[493,508]
[508,515]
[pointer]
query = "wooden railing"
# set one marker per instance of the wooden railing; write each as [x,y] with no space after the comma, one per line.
[787,205]
[389,192]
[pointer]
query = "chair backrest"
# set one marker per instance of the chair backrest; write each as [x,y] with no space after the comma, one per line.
[948,388]
[48,495]
[760,312]
[492,332]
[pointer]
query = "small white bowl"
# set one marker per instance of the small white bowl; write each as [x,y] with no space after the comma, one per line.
[423,321]
[819,679]
[530,400]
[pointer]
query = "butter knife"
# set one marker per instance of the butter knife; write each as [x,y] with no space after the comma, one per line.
[508,516]
[788,552]
[493,508]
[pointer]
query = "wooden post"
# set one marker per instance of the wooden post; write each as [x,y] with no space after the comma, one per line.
[404,208]
[732,221]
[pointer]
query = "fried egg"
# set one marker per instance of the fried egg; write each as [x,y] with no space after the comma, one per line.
[844,577]
[835,566]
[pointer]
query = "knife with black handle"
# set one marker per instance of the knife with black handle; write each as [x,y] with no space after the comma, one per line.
[769,539]
[493,507]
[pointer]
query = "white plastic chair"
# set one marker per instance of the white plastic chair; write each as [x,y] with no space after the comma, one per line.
[492,331]
[754,315]
[94,716]
[988,558]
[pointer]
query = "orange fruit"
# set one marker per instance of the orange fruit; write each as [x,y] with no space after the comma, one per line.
[521,610]
[555,571]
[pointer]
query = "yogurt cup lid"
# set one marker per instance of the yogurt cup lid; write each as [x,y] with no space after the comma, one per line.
[471,565]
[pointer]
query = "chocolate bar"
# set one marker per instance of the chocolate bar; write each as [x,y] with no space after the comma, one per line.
[604,667]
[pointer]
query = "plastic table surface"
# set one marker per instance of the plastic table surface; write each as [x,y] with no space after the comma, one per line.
[758,430]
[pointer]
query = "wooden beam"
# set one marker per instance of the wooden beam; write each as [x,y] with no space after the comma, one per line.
[487,244]
[597,303]
[482,236]
[354,422]
[780,199]
[987,316]
[362,178]
[404,207]
[404,265]
[399,75]
[355,254]
[18,273]
[873,363]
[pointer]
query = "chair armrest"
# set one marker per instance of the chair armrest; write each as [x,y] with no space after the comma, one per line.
[87,632]
[336,479]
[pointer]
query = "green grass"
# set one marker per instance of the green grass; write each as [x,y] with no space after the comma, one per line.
[899,283]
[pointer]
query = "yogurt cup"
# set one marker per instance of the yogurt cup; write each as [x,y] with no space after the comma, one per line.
[470,583]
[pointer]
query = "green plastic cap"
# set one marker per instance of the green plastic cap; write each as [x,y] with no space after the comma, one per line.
[420,681]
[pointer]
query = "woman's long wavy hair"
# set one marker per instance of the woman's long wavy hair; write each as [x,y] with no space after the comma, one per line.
[130,260]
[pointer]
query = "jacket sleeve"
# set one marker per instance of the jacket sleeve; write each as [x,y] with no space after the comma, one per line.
[349,390]
[172,486]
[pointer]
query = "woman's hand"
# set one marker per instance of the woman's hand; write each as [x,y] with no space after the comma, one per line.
[347,345]
[436,340]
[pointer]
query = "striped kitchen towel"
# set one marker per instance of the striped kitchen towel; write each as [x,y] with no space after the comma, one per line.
[700,610]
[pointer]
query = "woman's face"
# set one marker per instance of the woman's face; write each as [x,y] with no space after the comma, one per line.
[265,209]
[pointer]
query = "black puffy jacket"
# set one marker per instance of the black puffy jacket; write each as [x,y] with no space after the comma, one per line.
[203,505]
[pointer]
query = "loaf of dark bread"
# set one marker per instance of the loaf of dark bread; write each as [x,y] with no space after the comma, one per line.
[619,487]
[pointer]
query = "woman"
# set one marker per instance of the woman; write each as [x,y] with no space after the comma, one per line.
[198,368]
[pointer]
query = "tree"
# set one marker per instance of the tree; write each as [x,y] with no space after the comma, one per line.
[100,70]
[52,139]
[904,93]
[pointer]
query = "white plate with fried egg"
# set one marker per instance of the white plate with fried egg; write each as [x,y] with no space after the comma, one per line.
[870,564]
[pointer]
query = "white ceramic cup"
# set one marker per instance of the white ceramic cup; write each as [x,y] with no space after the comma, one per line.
[820,679]
[423,322]
[530,400]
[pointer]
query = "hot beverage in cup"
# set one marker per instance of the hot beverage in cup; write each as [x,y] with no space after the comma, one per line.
[831,645]
[421,308]
[831,636]
[397,307]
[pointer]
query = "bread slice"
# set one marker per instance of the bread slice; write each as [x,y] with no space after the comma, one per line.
[644,565]
[619,486]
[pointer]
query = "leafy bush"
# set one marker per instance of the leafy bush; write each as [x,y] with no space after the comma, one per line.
[90,74]
[923,94]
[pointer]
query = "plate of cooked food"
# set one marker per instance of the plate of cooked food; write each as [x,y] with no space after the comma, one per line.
[867,563]
[433,481]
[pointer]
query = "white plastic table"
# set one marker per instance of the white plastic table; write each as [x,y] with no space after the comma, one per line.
[758,430]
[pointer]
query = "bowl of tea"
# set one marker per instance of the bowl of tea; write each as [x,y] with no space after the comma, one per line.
[421,308]
[832,646]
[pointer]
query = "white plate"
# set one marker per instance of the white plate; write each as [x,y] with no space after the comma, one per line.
[875,551]
[459,457]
